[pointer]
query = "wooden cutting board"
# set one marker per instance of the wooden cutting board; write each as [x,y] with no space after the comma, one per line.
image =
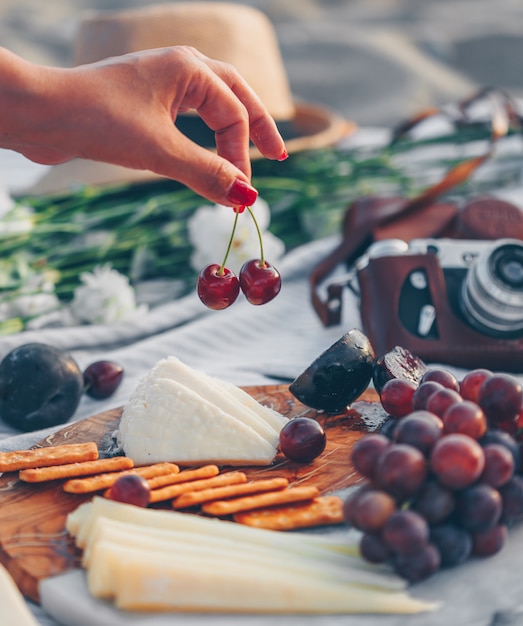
[34,543]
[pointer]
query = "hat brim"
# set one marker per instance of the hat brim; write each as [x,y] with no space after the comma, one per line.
[313,127]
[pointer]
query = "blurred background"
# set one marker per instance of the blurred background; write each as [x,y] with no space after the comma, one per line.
[374,61]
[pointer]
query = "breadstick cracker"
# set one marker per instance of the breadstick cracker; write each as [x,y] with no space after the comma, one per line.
[193,498]
[48,456]
[99,482]
[322,511]
[206,471]
[172,491]
[257,501]
[42,474]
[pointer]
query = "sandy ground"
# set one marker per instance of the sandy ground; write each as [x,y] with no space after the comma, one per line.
[375,61]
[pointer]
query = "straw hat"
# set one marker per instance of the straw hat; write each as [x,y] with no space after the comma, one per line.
[235,33]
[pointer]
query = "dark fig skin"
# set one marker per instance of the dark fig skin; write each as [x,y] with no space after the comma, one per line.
[40,387]
[338,376]
[398,363]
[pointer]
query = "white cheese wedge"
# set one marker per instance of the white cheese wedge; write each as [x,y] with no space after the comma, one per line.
[150,580]
[166,421]
[277,420]
[220,394]
[14,610]
[210,546]
[145,559]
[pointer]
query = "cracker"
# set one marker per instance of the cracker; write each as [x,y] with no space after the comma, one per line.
[172,491]
[98,482]
[193,498]
[206,471]
[322,511]
[48,456]
[42,474]
[257,501]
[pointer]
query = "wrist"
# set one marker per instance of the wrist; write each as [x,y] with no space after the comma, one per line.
[30,105]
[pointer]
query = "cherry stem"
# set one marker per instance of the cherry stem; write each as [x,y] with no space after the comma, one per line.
[229,245]
[262,259]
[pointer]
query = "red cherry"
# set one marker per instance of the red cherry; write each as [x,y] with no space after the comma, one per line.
[217,289]
[259,281]
[102,378]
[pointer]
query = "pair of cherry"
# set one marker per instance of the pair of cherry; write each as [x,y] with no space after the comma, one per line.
[218,287]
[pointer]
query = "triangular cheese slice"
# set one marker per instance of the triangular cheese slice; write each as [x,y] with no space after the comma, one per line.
[219,394]
[166,421]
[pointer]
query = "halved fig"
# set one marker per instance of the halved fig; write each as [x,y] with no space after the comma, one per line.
[338,376]
[398,363]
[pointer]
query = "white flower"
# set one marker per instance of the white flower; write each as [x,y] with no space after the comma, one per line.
[210,229]
[31,305]
[34,297]
[105,297]
[14,219]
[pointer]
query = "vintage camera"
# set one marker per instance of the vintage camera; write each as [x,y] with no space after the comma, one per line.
[484,284]
[448,300]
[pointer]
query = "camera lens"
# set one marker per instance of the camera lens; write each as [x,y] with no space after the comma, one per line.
[492,292]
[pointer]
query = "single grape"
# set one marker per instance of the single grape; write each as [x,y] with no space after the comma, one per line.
[405,532]
[496,435]
[465,417]
[373,508]
[434,502]
[350,503]
[102,378]
[131,489]
[422,394]
[418,566]
[512,497]
[366,452]
[501,398]
[373,549]
[499,465]
[440,401]
[478,507]
[454,544]
[259,281]
[217,289]
[420,429]
[302,439]
[471,383]
[489,542]
[396,396]
[401,470]
[457,460]
[443,377]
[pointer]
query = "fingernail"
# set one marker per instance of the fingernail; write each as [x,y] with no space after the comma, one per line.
[241,193]
[284,155]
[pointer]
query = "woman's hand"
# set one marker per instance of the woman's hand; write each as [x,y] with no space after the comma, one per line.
[122,111]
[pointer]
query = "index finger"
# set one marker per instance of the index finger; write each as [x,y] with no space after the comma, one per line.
[231,108]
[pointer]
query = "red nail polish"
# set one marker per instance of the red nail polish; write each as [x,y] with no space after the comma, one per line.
[241,193]
[284,155]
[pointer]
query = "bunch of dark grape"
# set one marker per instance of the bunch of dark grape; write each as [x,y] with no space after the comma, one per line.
[443,477]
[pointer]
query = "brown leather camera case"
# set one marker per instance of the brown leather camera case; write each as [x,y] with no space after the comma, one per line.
[458,344]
